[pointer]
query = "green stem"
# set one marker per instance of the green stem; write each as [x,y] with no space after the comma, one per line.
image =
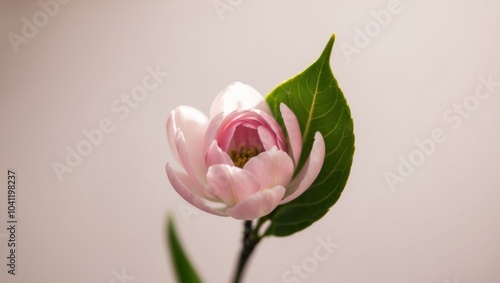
[250,241]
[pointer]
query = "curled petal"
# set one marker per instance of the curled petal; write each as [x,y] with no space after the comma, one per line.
[186,127]
[272,168]
[293,130]
[188,191]
[195,171]
[211,132]
[259,204]
[215,155]
[231,184]
[309,172]
[267,137]
[238,96]
[223,128]
[275,127]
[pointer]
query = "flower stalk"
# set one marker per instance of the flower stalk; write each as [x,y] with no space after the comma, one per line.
[250,241]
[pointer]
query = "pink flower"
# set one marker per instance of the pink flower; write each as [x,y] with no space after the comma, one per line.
[237,162]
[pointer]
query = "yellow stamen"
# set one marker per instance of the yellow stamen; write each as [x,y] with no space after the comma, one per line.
[241,157]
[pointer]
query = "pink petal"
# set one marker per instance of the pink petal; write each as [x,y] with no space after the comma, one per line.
[187,190]
[309,172]
[222,128]
[243,135]
[195,171]
[191,124]
[267,137]
[272,168]
[259,204]
[275,127]
[211,132]
[231,184]
[293,130]
[171,134]
[215,155]
[238,96]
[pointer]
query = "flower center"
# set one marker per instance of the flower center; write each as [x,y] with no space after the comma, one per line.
[241,156]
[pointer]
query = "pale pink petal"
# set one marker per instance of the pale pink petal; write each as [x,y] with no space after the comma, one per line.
[243,135]
[231,184]
[195,186]
[215,155]
[293,129]
[182,185]
[238,96]
[171,135]
[192,124]
[211,131]
[302,181]
[194,170]
[275,127]
[225,126]
[267,137]
[222,128]
[259,204]
[272,168]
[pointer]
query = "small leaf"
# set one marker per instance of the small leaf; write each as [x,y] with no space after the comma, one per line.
[184,270]
[319,104]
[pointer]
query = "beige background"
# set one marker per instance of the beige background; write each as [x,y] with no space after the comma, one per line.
[107,216]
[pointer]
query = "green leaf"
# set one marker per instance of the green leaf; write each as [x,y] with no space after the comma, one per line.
[184,270]
[319,104]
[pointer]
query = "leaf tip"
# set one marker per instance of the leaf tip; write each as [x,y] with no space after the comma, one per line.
[170,220]
[328,49]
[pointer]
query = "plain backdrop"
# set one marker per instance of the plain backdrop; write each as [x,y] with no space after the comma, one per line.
[105,221]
